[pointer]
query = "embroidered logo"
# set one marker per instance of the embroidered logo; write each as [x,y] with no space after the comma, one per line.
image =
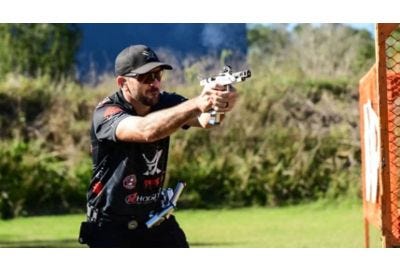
[110,111]
[153,163]
[146,199]
[152,183]
[131,198]
[135,198]
[130,181]
[150,55]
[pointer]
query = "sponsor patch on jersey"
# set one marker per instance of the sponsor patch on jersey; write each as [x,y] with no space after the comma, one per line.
[131,198]
[129,182]
[152,183]
[145,199]
[135,198]
[152,163]
[111,110]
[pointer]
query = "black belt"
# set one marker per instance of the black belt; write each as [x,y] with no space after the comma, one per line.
[129,222]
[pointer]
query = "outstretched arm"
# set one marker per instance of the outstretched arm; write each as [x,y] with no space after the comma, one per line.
[156,125]
[160,124]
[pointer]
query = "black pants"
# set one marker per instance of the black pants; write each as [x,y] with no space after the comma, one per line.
[166,235]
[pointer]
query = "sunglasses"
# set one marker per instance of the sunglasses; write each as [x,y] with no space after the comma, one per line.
[149,77]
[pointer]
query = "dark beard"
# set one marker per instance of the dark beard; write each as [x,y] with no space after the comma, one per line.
[149,101]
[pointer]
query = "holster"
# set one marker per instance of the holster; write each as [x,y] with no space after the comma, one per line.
[86,232]
[87,229]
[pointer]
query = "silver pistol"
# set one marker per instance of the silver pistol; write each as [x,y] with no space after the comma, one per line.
[226,77]
[167,210]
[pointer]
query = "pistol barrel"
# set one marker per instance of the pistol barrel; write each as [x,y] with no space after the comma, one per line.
[228,78]
[242,75]
[177,192]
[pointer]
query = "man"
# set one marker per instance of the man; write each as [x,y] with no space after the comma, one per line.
[130,140]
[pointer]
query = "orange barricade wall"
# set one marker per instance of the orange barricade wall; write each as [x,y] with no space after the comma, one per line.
[380,137]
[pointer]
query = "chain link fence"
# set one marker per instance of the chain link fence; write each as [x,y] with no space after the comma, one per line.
[392,50]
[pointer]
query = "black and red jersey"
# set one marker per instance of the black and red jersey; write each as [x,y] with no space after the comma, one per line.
[127,176]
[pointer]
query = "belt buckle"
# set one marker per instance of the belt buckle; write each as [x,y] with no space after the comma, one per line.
[132,225]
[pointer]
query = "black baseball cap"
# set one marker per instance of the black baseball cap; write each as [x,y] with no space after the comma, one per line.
[137,59]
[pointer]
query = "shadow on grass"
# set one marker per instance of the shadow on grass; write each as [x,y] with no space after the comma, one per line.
[213,244]
[73,243]
[60,243]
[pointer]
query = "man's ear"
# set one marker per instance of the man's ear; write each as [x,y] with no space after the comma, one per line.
[120,81]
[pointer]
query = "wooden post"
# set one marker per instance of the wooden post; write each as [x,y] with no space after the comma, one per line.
[366,233]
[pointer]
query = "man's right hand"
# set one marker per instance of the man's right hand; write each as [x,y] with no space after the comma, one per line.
[210,97]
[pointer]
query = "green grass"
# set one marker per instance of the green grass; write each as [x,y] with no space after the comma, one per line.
[311,225]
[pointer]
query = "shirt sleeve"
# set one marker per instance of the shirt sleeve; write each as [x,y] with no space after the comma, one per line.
[106,120]
[172,99]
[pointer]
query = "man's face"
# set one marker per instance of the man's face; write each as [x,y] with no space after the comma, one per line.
[145,88]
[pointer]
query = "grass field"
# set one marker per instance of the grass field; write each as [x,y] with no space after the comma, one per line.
[315,225]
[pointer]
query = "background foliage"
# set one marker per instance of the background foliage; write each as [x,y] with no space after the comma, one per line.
[293,136]
[38,49]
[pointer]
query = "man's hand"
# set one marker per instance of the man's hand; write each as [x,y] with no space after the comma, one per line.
[225,99]
[214,97]
[217,97]
[204,101]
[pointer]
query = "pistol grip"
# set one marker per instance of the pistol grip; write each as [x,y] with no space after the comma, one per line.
[215,118]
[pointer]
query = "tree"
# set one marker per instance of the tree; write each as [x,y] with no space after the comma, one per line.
[332,50]
[38,49]
[267,44]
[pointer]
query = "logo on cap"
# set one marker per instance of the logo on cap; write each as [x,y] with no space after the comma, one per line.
[150,55]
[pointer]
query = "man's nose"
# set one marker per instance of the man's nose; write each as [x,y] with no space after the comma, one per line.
[156,82]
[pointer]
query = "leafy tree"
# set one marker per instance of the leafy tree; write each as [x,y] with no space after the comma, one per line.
[38,49]
[268,39]
[332,50]
[267,45]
